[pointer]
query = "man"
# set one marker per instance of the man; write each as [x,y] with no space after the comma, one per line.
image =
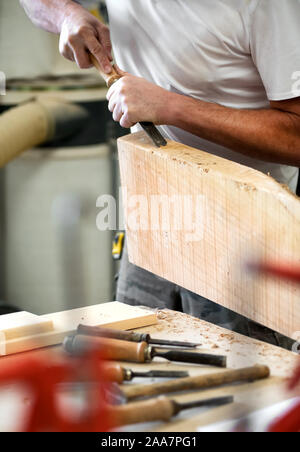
[219,75]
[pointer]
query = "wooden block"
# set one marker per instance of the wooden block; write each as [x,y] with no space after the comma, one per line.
[221,215]
[17,325]
[114,314]
[111,315]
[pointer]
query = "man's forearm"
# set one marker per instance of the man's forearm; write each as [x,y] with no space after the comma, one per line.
[48,14]
[271,135]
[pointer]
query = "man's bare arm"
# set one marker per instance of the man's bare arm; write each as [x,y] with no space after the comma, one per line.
[80,32]
[47,14]
[272,135]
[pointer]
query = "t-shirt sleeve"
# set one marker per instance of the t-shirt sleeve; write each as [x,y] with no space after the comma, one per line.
[275,46]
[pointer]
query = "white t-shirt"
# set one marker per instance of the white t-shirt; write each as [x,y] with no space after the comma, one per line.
[237,53]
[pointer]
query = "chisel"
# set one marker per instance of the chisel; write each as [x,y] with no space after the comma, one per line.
[141,352]
[211,380]
[160,409]
[131,336]
[148,127]
[119,374]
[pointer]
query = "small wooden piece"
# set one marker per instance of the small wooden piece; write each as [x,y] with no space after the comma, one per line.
[19,325]
[197,220]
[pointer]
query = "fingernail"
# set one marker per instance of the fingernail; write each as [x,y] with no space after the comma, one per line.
[108,68]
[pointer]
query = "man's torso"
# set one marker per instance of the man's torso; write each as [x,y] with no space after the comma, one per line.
[199,48]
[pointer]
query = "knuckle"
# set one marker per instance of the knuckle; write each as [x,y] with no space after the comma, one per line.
[96,50]
[72,40]
[83,30]
[123,88]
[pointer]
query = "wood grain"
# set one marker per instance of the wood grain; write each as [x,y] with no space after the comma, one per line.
[239,215]
[15,326]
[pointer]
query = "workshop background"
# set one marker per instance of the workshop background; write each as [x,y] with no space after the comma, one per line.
[53,257]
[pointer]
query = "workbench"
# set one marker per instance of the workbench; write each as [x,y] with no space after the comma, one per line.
[241,352]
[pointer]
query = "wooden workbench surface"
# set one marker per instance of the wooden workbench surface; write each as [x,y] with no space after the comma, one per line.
[241,352]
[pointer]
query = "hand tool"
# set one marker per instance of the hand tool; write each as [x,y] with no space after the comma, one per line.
[140,352]
[45,373]
[159,409]
[118,374]
[129,393]
[148,127]
[131,336]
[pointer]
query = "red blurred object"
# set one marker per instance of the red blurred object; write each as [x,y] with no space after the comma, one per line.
[295,380]
[282,270]
[290,421]
[42,374]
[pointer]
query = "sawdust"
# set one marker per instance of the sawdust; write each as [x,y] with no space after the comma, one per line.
[240,350]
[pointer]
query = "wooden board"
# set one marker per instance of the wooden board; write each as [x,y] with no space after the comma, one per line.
[51,329]
[231,214]
[21,324]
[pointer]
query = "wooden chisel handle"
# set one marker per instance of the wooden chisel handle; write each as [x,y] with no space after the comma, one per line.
[161,409]
[113,349]
[111,78]
[113,334]
[113,372]
[148,127]
[198,382]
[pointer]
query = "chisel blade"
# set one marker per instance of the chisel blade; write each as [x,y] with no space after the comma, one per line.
[168,343]
[154,134]
[191,357]
[215,402]
[161,374]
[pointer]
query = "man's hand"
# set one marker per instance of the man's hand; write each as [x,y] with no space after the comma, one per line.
[134,99]
[81,34]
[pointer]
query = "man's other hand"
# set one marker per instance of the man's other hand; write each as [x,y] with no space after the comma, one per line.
[82,34]
[134,99]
